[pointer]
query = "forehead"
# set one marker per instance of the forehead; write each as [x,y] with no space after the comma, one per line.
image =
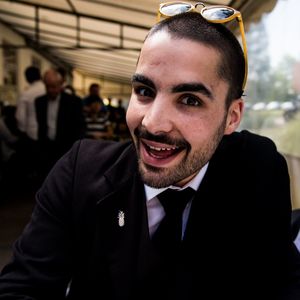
[52,83]
[52,79]
[178,59]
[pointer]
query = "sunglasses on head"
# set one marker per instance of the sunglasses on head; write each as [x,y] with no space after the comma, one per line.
[213,14]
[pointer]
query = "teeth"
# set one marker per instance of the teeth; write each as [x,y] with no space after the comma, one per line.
[162,149]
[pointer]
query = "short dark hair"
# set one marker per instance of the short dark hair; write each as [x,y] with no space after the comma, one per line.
[94,85]
[194,27]
[32,74]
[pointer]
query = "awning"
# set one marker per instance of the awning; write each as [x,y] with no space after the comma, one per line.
[96,37]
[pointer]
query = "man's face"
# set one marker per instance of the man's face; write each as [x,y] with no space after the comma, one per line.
[95,91]
[177,114]
[53,87]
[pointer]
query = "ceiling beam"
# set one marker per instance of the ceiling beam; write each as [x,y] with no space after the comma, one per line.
[24,2]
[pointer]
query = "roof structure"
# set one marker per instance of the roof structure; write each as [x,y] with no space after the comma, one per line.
[98,38]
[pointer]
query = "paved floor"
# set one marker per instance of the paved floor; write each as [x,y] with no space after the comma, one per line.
[15,210]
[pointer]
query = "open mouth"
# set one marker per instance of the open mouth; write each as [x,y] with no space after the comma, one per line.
[157,154]
[161,152]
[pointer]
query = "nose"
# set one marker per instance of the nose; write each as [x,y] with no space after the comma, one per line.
[159,116]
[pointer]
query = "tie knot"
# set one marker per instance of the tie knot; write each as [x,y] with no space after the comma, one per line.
[174,201]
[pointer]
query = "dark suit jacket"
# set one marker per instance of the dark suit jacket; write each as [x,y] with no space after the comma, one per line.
[237,243]
[70,124]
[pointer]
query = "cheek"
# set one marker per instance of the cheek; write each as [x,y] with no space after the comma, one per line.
[194,134]
[200,131]
[133,115]
[199,140]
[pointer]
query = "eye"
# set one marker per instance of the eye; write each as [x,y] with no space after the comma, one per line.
[144,91]
[191,100]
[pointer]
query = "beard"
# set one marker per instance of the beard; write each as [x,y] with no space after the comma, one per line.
[189,165]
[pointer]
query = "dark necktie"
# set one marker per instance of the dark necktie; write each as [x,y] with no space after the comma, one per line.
[167,238]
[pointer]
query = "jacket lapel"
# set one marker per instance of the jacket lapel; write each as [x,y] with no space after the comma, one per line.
[122,234]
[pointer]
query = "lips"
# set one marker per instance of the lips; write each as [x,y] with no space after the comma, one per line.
[161,152]
[157,154]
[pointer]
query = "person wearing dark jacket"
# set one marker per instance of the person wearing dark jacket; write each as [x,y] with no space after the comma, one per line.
[190,209]
[60,121]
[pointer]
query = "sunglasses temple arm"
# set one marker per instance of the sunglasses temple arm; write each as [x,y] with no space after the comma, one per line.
[158,16]
[242,30]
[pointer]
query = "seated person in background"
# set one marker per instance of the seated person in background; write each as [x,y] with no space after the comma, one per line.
[94,93]
[98,125]
[121,130]
[111,109]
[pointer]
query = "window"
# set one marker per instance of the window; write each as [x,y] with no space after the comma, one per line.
[9,64]
[273,90]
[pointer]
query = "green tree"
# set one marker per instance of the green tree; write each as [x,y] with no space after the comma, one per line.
[282,78]
[258,85]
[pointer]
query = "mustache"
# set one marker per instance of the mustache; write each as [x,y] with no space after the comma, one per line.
[142,133]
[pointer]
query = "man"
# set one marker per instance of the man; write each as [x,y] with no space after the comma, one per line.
[98,125]
[60,120]
[97,224]
[26,119]
[121,130]
[94,95]
[25,108]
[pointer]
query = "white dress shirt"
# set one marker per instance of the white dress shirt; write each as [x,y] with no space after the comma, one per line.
[25,114]
[52,113]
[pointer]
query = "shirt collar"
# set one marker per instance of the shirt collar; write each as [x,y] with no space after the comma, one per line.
[194,184]
[56,100]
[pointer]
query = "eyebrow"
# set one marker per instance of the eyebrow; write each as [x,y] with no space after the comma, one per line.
[180,88]
[142,79]
[193,87]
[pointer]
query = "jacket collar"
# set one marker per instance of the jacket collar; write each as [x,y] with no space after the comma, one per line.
[111,181]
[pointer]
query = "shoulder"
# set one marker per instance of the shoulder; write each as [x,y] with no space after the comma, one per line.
[248,143]
[25,95]
[71,96]
[66,97]
[98,155]
[41,98]
[38,88]
[94,149]
[35,89]
[89,163]
[246,152]
[70,100]
[88,157]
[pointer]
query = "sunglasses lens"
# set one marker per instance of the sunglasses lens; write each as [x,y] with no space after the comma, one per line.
[217,13]
[173,9]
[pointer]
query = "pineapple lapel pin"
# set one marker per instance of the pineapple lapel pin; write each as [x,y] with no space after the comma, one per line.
[121,218]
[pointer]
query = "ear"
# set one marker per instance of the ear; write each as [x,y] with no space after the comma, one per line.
[234,116]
